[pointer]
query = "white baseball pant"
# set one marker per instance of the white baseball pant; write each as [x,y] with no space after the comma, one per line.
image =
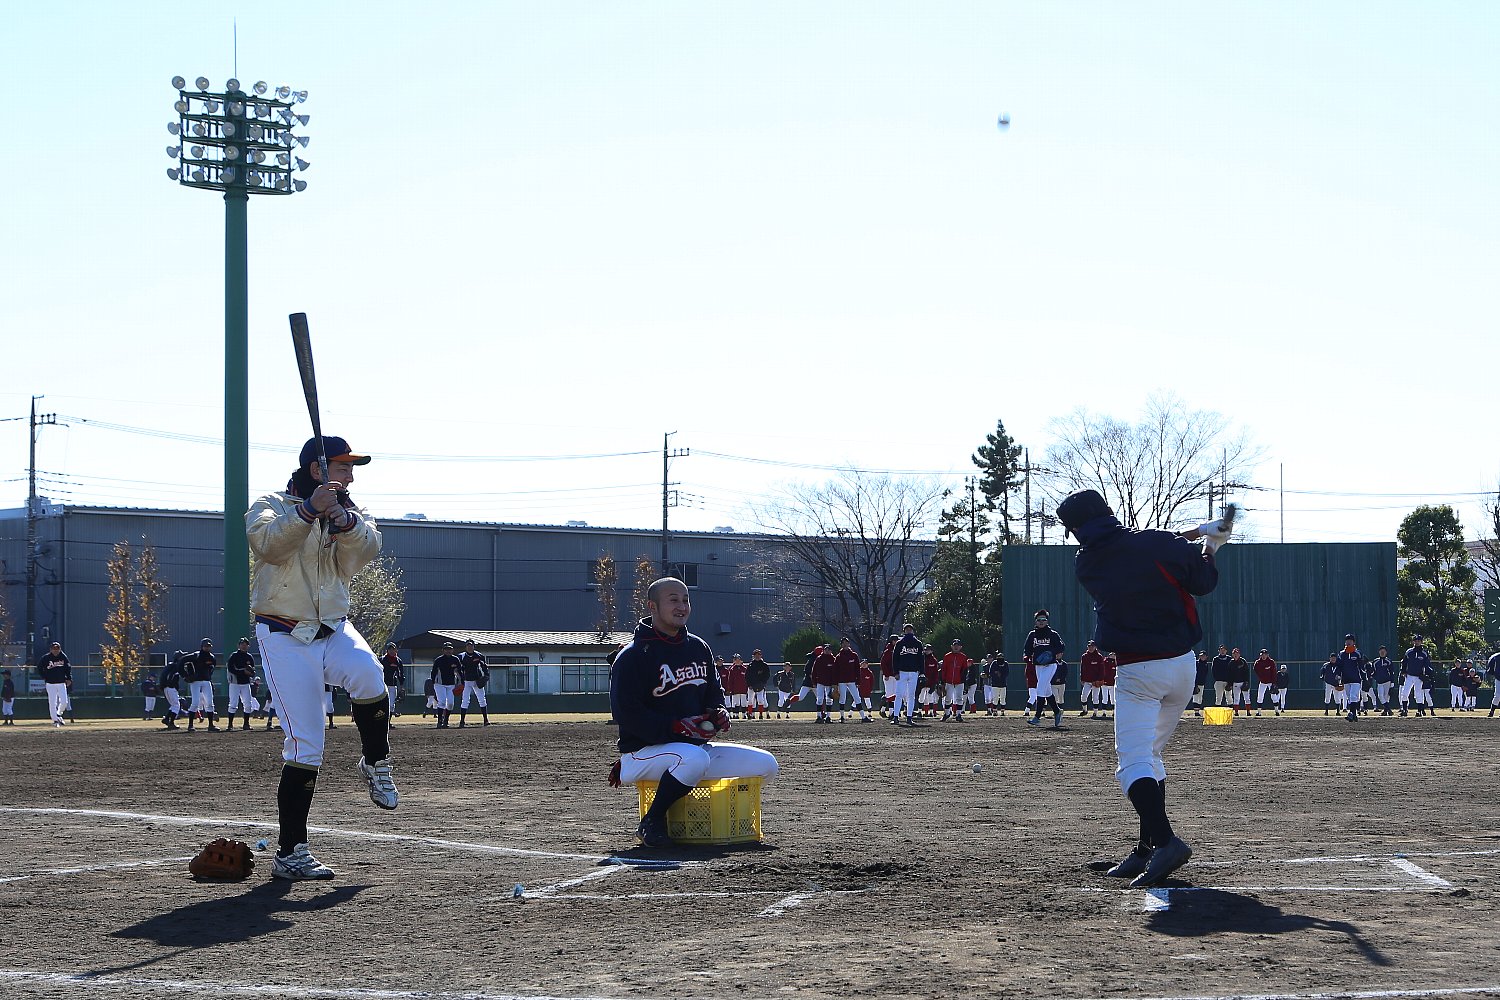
[478,693]
[954,696]
[443,693]
[202,695]
[150,703]
[825,696]
[849,693]
[296,673]
[1261,690]
[1351,695]
[1150,698]
[690,763]
[239,694]
[57,700]
[174,700]
[906,693]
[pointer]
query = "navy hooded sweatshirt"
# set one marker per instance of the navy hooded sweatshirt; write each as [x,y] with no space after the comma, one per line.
[659,679]
[1143,584]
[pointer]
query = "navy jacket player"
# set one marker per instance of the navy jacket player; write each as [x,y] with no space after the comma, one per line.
[665,695]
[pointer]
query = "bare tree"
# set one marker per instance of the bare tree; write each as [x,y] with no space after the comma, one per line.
[1158,473]
[119,654]
[606,578]
[377,600]
[645,575]
[852,551]
[1487,560]
[150,601]
[6,622]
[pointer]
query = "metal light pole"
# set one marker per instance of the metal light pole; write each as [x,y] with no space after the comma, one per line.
[240,144]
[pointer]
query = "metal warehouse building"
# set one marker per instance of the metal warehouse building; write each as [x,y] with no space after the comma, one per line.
[474,576]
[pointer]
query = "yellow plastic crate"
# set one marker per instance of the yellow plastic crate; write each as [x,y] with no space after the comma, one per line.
[1218,716]
[726,811]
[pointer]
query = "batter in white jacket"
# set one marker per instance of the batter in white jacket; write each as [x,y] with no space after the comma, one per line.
[308,542]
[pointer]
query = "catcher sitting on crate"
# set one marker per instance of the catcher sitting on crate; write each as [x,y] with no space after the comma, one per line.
[665,695]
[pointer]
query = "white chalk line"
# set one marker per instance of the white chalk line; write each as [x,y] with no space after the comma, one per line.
[1451,991]
[796,899]
[1371,858]
[220,988]
[1268,888]
[1421,874]
[552,890]
[89,869]
[453,845]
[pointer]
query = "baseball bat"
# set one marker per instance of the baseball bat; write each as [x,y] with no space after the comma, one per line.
[302,345]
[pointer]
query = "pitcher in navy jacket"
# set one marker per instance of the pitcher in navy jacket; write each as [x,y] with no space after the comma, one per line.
[666,697]
[1143,584]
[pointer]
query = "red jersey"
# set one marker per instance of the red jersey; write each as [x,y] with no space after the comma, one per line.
[954,666]
[1111,665]
[866,681]
[1030,674]
[887,669]
[932,669]
[1265,670]
[736,683]
[1091,666]
[823,669]
[846,666]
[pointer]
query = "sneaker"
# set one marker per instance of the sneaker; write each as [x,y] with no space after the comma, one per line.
[653,832]
[1133,865]
[1035,720]
[1165,860]
[382,785]
[1083,714]
[300,864]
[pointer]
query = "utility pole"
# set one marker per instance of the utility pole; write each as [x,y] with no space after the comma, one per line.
[667,496]
[1026,454]
[31,516]
[973,547]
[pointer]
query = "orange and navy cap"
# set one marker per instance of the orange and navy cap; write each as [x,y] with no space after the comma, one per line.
[336,448]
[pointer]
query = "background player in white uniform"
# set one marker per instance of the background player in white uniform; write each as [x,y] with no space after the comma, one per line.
[476,672]
[241,667]
[308,542]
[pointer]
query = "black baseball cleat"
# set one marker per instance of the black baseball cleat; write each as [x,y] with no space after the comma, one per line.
[1133,865]
[1165,860]
[653,831]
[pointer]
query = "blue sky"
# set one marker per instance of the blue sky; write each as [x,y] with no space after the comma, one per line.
[786,231]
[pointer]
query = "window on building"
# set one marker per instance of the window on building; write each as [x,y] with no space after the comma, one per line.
[584,675]
[684,571]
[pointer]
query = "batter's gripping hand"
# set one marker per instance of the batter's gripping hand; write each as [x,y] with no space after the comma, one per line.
[223,861]
[1215,533]
[696,727]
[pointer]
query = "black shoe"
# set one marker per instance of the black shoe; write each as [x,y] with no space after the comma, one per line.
[653,831]
[1133,865]
[1165,860]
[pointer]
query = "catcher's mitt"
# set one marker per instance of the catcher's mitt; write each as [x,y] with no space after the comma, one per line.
[223,861]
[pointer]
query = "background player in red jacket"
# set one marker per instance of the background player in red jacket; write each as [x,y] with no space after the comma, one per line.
[1107,684]
[1090,675]
[888,676]
[736,687]
[955,666]
[1265,682]
[866,690]
[846,674]
[932,672]
[825,681]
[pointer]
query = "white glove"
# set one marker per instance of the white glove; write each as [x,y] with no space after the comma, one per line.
[1214,534]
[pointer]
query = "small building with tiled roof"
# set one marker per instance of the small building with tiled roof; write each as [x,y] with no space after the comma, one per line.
[526,663]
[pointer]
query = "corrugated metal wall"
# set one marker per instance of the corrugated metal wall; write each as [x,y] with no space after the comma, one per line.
[1295,600]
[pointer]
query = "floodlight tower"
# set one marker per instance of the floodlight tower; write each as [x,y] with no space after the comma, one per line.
[240,144]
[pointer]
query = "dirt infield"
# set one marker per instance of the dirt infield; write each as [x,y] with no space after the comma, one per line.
[1331,858]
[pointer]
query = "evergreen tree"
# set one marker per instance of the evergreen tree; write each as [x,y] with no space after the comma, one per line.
[998,461]
[1435,588]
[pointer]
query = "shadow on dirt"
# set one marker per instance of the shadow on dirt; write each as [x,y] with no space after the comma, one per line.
[1198,912]
[264,908]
